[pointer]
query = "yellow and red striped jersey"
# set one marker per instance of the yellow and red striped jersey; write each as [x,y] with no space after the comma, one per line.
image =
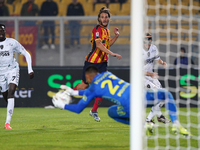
[96,55]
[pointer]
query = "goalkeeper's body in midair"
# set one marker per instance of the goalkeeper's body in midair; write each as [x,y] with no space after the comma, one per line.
[110,87]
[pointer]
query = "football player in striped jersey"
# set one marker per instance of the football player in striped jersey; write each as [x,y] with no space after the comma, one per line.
[99,54]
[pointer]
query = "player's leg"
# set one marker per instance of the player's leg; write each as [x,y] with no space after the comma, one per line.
[119,114]
[156,109]
[4,86]
[46,35]
[52,29]
[171,107]
[72,31]
[102,67]
[94,112]
[13,79]
[10,104]
[81,86]
[5,95]
[77,28]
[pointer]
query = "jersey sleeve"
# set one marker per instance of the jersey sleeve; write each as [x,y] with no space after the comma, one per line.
[87,97]
[97,33]
[21,50]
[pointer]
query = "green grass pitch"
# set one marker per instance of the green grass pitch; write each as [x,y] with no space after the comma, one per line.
[54,129]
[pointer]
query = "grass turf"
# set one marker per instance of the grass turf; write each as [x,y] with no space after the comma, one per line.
[39,128]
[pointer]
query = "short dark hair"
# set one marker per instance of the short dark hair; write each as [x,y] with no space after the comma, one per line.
[147,38]
[183,49]
[91,69]
[1,24]
[103,10]
[147,34]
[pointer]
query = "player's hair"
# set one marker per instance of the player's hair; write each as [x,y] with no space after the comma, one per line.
[91,69]
[1,24]
[103,10]
[147,37]
[147,34]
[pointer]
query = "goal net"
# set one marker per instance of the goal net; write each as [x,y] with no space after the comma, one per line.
[174,25]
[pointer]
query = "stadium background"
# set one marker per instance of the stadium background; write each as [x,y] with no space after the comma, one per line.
[65,58]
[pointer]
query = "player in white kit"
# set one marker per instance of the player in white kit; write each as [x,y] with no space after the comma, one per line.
[151,54]
[9,70]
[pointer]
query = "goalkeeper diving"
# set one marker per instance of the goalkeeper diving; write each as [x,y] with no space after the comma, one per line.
[110,87]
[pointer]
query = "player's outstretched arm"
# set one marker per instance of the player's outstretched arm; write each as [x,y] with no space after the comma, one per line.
[21,50]
[152,74]
[77,108]
[28,60]
[162,63]
[104,49]
[116,31]
[71,91]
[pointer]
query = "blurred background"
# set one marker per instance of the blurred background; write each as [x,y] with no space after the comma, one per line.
[59,31]
[59,41]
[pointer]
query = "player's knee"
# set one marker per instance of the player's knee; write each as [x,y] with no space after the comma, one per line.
[161,95]
[11,92]
[110,112]
[82,86]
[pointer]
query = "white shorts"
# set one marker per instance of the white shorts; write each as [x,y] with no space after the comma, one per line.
[10,76]
[151,83]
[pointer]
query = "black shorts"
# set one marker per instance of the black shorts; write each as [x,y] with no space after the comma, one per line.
[102,67]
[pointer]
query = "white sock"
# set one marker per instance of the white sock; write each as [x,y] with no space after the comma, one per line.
[10,108]
[151,114]
[176,122]
[157,108]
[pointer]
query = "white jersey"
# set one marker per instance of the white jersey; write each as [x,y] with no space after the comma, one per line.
[7,60]
[149,57]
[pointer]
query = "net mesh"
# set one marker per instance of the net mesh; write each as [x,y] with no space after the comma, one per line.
[175,24]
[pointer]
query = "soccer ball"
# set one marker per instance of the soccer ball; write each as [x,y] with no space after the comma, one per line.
[63,96]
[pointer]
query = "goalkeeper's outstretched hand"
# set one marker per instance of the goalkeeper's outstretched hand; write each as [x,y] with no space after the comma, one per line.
[67,89]
[58,103]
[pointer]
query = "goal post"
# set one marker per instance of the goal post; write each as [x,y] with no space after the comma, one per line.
[136,75]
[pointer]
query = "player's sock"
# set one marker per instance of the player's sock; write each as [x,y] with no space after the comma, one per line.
[176,122]
[151,114]
[170,105]
[157,108]
[75,88]
[97,102]
[10,108]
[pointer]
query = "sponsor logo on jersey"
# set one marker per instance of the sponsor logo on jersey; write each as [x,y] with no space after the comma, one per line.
[4,53]
[1,46]
[97,34]
[149,61]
